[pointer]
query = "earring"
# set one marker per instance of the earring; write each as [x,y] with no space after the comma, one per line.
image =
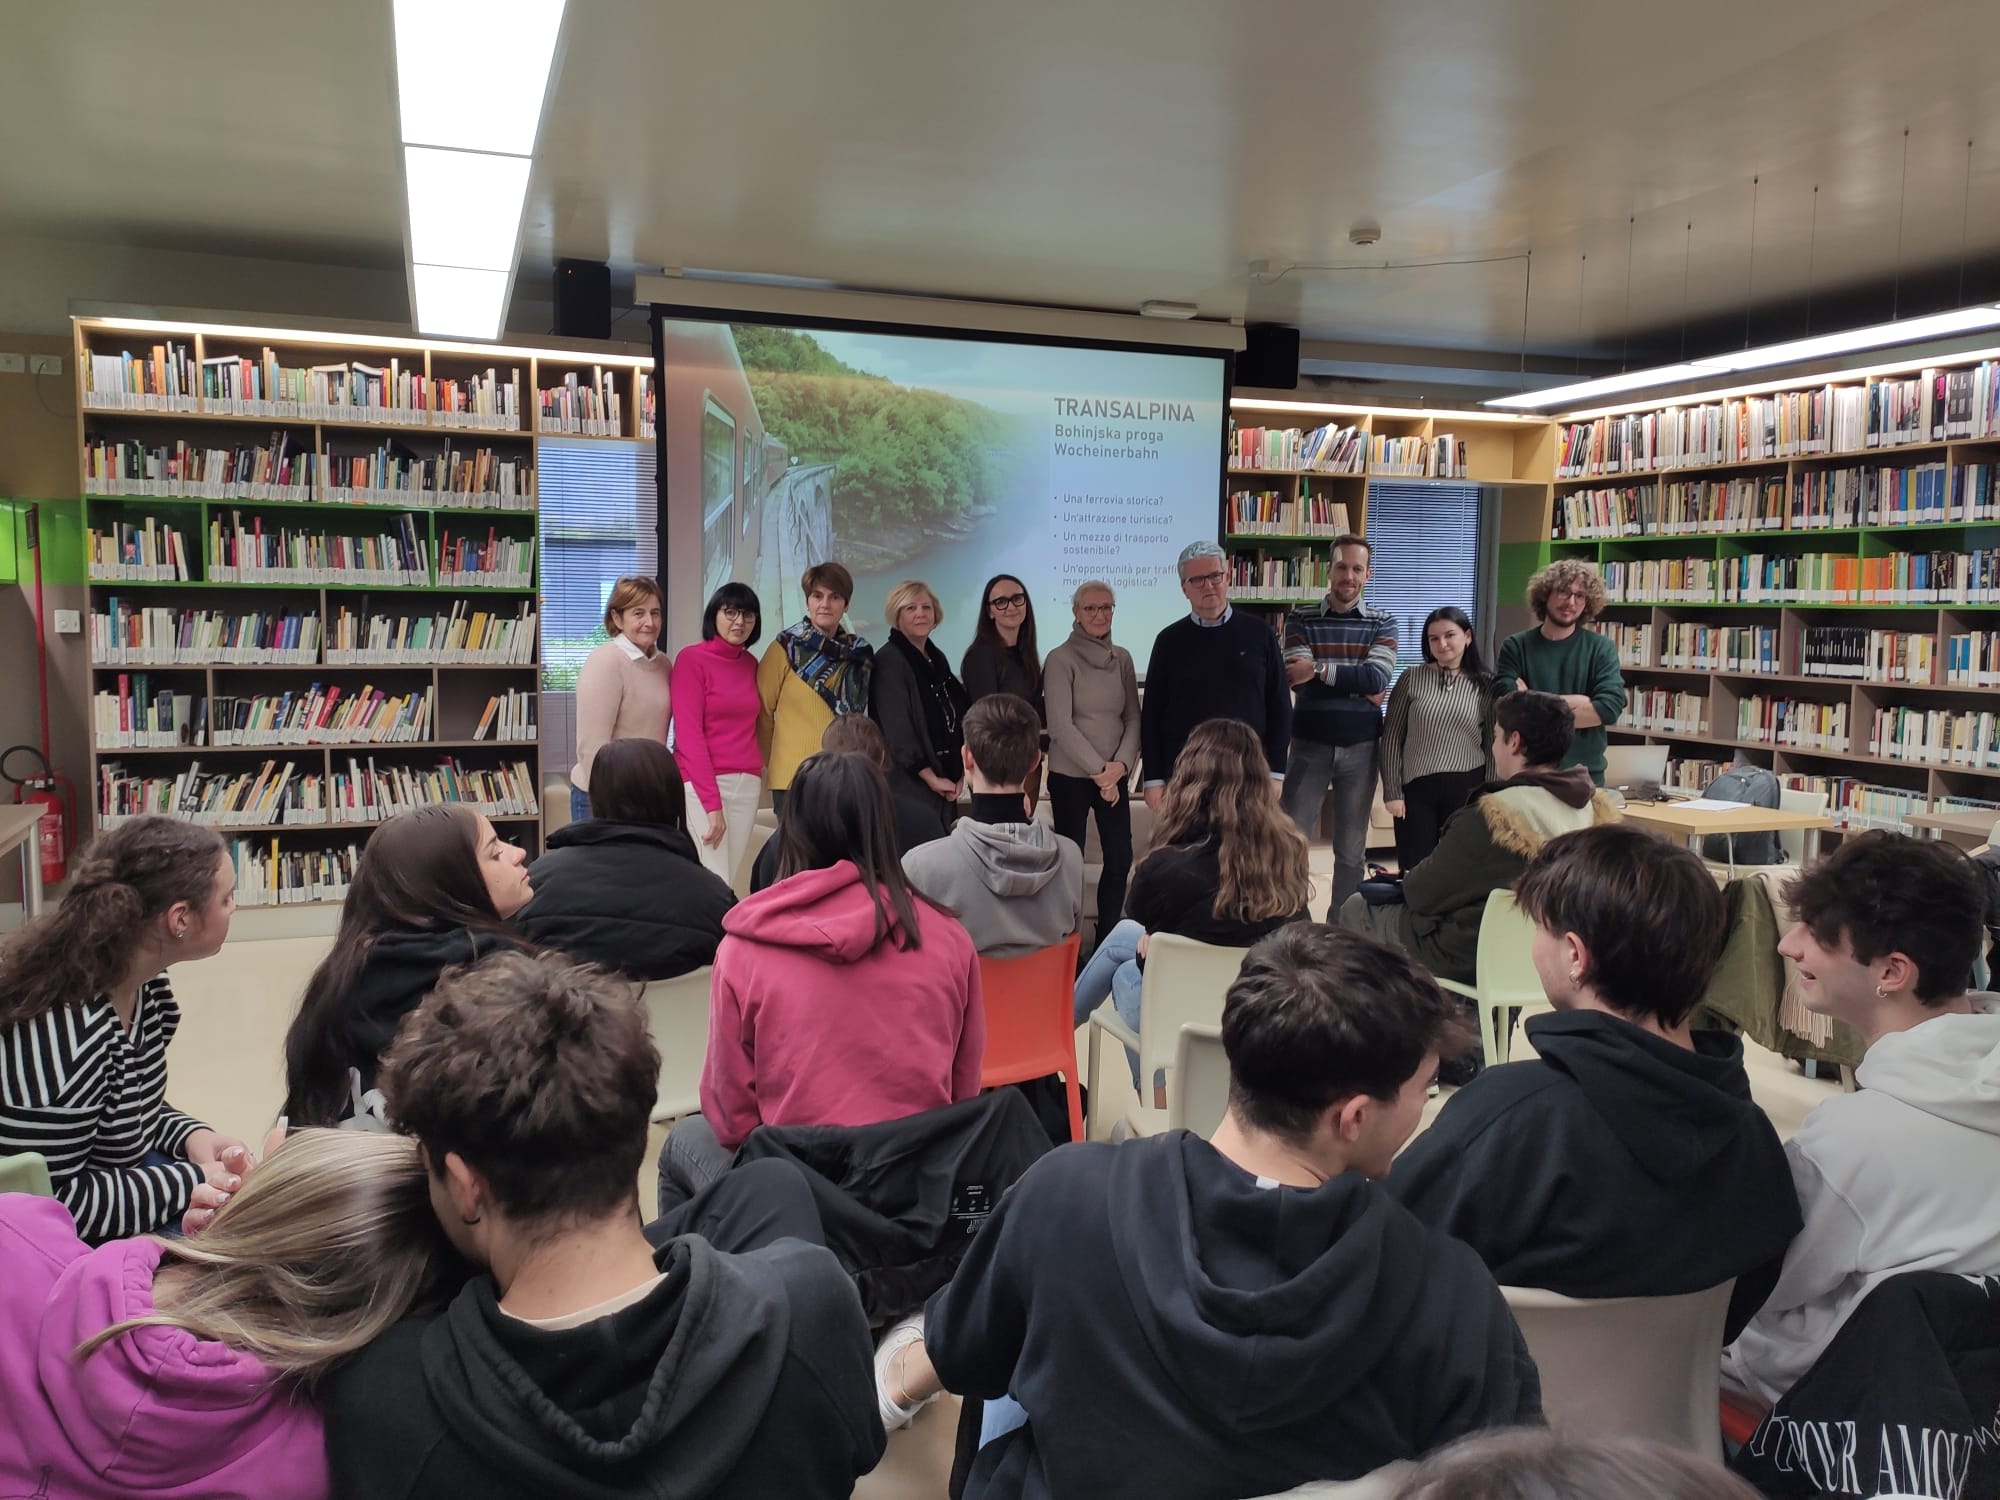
[1575,975]
[471,1221]
[1880,993]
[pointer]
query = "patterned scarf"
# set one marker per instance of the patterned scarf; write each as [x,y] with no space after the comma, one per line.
[837,667]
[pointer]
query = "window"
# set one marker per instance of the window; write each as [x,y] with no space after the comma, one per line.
[599,522]
[718,493]
[1426,554]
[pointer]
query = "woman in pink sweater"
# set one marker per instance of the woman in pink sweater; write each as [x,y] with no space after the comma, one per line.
[183,1369]
[715,728]
[841,996]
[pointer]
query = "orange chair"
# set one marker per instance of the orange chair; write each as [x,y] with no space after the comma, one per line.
[1031,1020]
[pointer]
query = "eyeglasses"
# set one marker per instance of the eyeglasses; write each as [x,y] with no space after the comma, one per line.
[1094,609]
[1569,594]
[731,612]
[1008,601]
[1205,580]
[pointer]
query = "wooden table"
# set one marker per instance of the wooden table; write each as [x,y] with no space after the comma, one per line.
[1682,820]
[17,831]
[1968,829]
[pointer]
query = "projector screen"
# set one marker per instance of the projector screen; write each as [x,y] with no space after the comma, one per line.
[908,454]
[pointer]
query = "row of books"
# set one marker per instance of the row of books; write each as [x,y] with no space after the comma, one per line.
[463,636]
[1797,722]
[133,716]
[1328,449]
[648,417]
[1857,654]
[267,875]
[1820,499]
[1692,774]
[322,714]
[1937,736]
[247,553]
[1279,579]
[147,551]
[1679,580]
[1271,513]
[1663,711]
[498,562]
[1630,641]
[1683,508]
[278,470]
[1972,659]
[352,391]
[479,478]
[367,793]
[509,715]
[578,405]
[126,633]
[285,793]
[1857,804]
[1440,457]
[162,379]
[1720,648]
[1941,577]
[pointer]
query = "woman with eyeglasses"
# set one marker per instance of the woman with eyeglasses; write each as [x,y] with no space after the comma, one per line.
[1002,657]
[1092,694]
[715,728]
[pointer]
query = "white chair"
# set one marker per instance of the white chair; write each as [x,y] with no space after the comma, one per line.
[1377,1484]
[1793,840]
[677,1011]
[1200,1096]
[1185,983]
[1643,1367]
[1506,982]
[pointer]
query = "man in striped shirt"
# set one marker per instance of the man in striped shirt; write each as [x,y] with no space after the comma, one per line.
[1339,659]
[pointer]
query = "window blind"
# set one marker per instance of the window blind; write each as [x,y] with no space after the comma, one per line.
[1426,539]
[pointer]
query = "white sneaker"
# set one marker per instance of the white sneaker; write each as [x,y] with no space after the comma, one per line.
[899,1337]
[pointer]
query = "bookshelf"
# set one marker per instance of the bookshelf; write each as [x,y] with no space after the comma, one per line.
[1807,578]
[312,580]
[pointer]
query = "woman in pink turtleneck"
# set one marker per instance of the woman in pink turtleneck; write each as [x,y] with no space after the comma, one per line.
[715,728]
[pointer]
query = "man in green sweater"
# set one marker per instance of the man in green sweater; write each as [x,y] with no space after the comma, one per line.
[1564,657]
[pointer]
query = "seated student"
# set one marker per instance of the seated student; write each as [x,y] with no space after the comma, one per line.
[1260,1313]
[585,1361]
[86,1014]
[1226,866]
[625,888]
[186,1366]
[1532,1464]
[916,822]
[1627,1159]
[1487,844]
[1903,1175]
[1015,884]
[434,889]
[841,996]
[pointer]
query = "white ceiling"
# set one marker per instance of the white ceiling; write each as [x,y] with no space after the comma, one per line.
[1083,155]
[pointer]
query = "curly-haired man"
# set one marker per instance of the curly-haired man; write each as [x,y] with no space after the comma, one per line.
[1562,656]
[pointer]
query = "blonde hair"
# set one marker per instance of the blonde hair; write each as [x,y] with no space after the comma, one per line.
[626,593]
[906,593]
[328,1244]
[1091,586]
[1568,573]
[1222,790]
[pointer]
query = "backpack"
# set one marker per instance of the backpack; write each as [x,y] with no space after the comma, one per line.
[1987,863]
[1753,786]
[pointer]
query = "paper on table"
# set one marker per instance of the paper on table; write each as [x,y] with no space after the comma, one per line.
[1711,804]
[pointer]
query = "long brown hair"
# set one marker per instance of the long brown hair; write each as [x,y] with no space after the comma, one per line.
[1221,791]
[839,808]
[419,873]
[125,879]
[327,1245]
[986,634]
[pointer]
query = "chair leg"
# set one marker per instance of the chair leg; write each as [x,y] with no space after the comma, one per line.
[1096,1085]
[1485,1010]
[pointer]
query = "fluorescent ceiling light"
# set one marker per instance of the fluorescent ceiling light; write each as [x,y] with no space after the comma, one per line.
[1565,395]
[1348,409]
[454,300]
[465,207]
[471,74]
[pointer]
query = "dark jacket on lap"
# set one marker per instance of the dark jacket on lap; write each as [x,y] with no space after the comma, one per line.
[397,972]
[1615,1164]
[1173,890]
[631,896]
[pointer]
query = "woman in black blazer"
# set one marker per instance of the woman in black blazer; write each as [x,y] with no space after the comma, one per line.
[919,702]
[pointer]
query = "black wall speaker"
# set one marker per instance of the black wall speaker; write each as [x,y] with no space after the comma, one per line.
[1270,357]
[583,301]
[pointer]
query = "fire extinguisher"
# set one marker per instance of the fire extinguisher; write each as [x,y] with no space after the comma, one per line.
[57,799]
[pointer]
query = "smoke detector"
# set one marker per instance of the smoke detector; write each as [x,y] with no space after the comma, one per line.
[1367,232]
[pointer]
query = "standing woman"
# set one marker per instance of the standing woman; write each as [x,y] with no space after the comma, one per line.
[1093,721]
[918,702]
[1435,735]
[622,691]
[1002,657]
[815,672]
[86,1014]
[715,728]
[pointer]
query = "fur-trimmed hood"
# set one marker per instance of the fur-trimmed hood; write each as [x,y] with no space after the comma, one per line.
[1526,812]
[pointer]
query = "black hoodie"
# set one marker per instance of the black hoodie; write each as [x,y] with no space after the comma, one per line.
[399,969]
[1616,1164]
[1172,1328]
[631,896]
[739,1376]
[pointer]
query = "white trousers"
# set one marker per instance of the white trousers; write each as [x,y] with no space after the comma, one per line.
[740,793]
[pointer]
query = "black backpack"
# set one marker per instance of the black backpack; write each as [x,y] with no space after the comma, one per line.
[1987,863]
[1753,786]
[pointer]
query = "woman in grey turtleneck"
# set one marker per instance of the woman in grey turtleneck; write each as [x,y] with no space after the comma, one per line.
[1092,693]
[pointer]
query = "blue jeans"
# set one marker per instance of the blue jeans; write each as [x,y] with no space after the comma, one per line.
[1113,972]
[579,805]
[1349,770]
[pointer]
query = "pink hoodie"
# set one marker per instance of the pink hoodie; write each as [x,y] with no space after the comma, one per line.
[812,1022]
[156,1412]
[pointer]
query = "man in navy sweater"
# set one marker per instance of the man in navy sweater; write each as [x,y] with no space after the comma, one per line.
[1215,664]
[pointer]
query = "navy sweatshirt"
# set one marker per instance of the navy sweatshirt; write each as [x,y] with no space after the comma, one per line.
[1229,671]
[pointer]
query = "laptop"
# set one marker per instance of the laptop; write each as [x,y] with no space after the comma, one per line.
[1636,771]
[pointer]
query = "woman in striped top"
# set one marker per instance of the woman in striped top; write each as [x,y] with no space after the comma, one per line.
[85,1017]
[1435,734]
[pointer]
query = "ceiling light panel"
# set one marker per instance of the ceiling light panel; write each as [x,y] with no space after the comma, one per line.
[455,302]
[472,74]
[465,207]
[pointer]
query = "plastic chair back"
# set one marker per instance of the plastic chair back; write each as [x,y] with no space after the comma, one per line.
[677,1011]
[26,1172]
[1031,1020]
[1644,1367]
[1185,984]
[1200,1095]
[1378,1484]
[1793,840]
[1507,981]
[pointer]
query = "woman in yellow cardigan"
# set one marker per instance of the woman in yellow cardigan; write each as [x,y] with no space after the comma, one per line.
[812,672]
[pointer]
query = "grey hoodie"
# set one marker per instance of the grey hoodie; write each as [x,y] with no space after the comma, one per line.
[1016,886]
